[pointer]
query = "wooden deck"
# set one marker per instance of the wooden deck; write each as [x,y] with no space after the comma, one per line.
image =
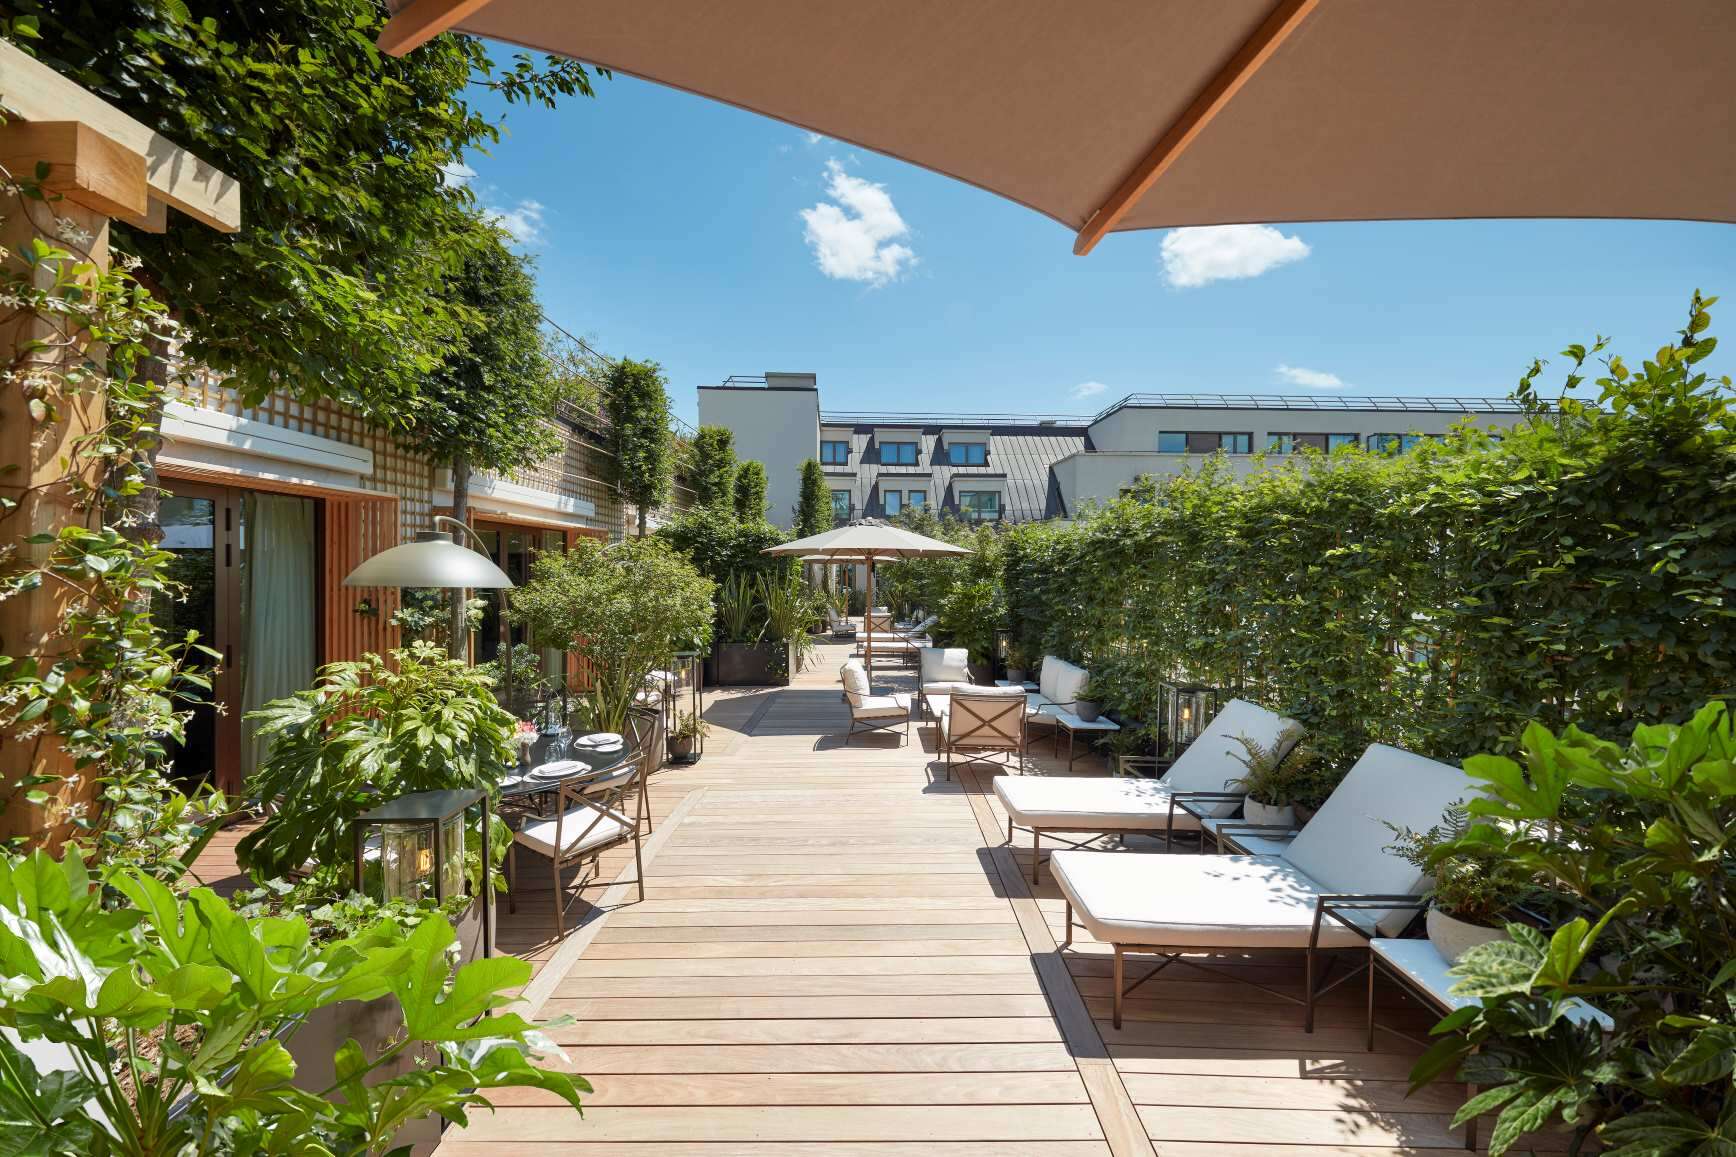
[836,955]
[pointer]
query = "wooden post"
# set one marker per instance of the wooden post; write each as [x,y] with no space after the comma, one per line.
[100,164]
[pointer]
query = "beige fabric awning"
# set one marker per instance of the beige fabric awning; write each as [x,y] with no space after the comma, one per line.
[1138,114]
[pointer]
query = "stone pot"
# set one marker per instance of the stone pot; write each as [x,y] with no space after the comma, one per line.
[1015,674]
[1453,937]
[1256,812]
[1087,709]
[681,747]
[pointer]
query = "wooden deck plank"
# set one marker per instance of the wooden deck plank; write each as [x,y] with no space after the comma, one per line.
[836,956]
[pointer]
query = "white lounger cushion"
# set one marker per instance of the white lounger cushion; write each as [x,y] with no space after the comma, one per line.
[854,678]
[882,707]
[1098,803]
[1172,901]
[540,836]
[1194,901]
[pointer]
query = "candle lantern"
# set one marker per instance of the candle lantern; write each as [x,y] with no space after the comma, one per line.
[412,848]
[1184,710]
[688,699]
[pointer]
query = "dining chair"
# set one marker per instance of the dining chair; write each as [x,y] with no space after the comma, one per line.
[590,818]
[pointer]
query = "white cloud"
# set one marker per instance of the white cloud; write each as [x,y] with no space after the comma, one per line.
[523,222]
[1200,254]
[1088,390]
[1313,379]
[814,138]
[855,238]
[458,173]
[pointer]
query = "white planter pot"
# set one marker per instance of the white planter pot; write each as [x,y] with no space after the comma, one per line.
[1256,812]
[1453,937]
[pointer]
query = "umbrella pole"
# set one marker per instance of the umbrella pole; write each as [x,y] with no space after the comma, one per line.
[868,623]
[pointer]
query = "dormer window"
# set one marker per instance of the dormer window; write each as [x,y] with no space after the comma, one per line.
[898,453]
[834,453]
[967,453]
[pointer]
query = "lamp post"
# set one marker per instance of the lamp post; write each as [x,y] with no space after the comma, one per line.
[434,559]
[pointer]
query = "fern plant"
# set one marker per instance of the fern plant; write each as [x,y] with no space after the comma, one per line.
[1281,774]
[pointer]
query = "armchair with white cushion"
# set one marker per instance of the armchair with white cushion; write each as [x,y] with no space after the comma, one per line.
[941,672]
[868,711]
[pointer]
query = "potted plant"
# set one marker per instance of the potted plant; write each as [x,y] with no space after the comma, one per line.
[1279,777]
[1085,707]
[1476,892]
[1018,663]
[688,731]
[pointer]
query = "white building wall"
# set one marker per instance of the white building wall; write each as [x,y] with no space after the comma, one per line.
[777,424]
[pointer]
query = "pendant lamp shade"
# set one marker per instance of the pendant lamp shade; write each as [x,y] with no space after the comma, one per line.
[433,560]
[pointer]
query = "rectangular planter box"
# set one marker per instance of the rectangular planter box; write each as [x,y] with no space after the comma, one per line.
[748,665]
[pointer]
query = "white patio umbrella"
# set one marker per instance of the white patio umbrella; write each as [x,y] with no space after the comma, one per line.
[865,541]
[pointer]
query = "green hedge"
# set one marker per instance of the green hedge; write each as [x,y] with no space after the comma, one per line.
[1579,569]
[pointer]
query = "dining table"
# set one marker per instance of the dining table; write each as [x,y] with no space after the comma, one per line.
[520,786]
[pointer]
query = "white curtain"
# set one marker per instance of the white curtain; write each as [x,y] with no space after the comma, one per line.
[277,606]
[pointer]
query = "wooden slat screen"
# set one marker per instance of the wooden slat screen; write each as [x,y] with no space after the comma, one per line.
[354,531]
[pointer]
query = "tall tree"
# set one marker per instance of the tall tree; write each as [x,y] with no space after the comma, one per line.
[490,404]
[637,405]
[750,491]
[345,158]
[714,466]
[814,506]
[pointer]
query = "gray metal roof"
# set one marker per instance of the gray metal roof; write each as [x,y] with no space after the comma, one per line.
[1019,456]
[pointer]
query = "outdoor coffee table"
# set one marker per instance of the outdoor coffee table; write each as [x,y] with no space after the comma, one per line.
[1072,725]
[1027,686]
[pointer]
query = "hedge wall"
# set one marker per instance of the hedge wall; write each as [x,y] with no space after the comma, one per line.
[1580,569]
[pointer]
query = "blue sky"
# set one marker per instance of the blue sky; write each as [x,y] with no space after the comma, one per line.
[670,227]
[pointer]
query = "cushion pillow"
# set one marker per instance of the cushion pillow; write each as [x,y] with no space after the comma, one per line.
[854,677]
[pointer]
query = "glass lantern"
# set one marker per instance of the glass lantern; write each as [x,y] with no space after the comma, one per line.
[688,698]
[412,848]
[1184,710]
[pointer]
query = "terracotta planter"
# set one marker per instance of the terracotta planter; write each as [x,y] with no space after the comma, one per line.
[1256,812]
[1453,937]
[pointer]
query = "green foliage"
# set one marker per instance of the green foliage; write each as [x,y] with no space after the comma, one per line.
[181,1000]
[719,545]
[102,684]
[1281,778]
[622,608]
[637,404]
[750,491]
[422,614]
[491,401]
[1637,841]
[368,731]
[350,221]
[814,504]
[1473,879]
[713,474]
[740,618]
[1577,570]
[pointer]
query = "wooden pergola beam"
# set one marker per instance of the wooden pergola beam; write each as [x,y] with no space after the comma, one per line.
[1284,19]
[420,21]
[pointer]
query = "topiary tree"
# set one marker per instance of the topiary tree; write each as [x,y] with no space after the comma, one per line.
[814,506]
[714,466]
[637,405]
[750,491]
[622,607]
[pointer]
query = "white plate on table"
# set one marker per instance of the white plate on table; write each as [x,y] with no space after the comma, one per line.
[558,769]
[598,739]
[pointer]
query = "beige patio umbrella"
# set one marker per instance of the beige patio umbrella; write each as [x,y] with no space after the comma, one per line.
[1136,114]
[865,541]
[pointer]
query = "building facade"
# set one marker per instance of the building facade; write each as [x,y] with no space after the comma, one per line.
[1018,468]
[267,508]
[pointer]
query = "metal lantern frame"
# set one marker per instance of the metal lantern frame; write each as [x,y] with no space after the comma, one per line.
[689,670]
[432,810]
[1184,710]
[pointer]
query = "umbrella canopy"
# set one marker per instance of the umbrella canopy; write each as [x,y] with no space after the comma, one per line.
[1112,115]
[865,541]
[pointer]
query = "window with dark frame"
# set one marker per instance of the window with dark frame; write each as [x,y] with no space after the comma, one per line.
[834,453]
[1172,442]
[1334,441]
[840,504]
[967,453]
[898,453]
[978,505]
[892,501]
[916,498]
